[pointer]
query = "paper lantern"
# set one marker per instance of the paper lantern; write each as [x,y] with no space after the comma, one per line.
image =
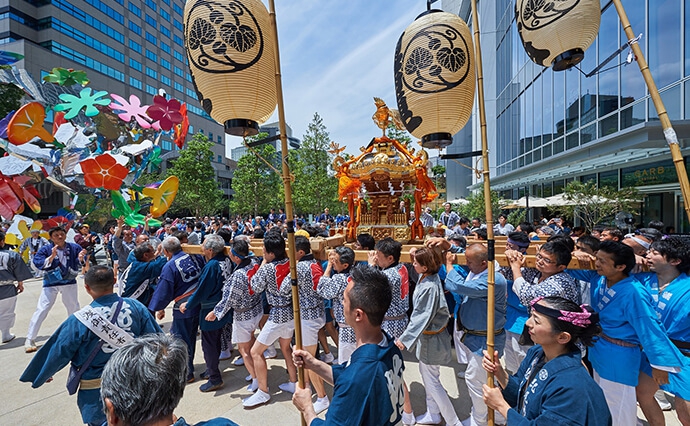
[434,77]
[230,46]
[557,33]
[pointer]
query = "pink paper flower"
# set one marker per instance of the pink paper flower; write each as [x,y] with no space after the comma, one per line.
[167,112]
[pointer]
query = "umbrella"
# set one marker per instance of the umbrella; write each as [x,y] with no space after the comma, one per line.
[524,201]
[459,201]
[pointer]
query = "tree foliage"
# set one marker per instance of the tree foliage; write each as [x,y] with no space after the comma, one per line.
[257,187]
[314,188]
[593,205]
[475,206]
[199,192]
[399,135]
[10,97]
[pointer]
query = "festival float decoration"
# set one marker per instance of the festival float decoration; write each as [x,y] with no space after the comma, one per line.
[557,33]
[374,182]
[100,143]
[434,77]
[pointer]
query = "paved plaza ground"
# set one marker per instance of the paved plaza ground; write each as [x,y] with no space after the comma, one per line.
[51,405]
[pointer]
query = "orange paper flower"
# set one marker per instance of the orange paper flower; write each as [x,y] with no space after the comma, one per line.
[103,172]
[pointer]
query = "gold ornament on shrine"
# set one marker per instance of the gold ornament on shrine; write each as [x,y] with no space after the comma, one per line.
[435,77]
[557,32]
[231,52]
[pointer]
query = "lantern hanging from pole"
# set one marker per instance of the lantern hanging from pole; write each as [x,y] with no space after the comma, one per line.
[557,33]
[434,77]
[230,48]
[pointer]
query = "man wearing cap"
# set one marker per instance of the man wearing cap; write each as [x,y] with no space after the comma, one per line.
[33,243]
[12,269]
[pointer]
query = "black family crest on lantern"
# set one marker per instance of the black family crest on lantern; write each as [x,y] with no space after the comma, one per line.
[227,36]
[544,27]
[231,59]
[433,58]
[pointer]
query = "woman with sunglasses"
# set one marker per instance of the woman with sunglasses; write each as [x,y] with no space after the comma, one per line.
[551,385]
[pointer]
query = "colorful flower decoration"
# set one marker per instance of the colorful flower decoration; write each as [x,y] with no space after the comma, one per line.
[163,196]
[66,77]
[4,123]
[182,128]
[73,104]
[27,123]
[166,112]
[132,218]
[132,109]
[154,158]
[103,172]
[11,198]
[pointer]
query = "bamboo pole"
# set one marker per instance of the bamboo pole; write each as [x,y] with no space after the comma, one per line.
[669,133]
[491,290]
[288,201]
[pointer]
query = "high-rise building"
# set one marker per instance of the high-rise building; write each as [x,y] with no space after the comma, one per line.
[273,131]
[126,47]
[547,128]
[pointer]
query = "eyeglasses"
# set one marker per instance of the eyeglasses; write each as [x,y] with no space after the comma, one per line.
[544,259]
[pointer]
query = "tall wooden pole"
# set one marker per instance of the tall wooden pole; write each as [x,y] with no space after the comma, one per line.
[669,133]
[491,290]
[288,199]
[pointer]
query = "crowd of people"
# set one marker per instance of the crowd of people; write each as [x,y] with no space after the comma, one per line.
[572,346]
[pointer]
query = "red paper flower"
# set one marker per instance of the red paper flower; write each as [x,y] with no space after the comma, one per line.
[103,172]
[166,112]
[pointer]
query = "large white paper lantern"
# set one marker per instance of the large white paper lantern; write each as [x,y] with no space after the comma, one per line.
[434,77]
[557,32]
[230,47]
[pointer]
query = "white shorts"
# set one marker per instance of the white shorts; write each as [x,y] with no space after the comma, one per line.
[243,331]
[272,332]
[310,331]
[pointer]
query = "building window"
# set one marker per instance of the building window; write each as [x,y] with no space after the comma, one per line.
[151,4]
[166,80]
[107,10]
[179,56]
[84,60]
[210,136]
[152,73]
[151,56]
[178,71]
[219,139]
[165,63]
[179,87]
[133,63]
[151,38]
[165,47]
[177,24]
[178,40]
[190,93]
[165,15]
[177,8]
[134,28]
[134,46]
[134,9]
[150,20]
[135,83]
[165,31]
[151,90]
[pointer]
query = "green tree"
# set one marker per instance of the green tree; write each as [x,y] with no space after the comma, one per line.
[199,192]
[475,206]
[257,186]
[592,204]
[10,96]
[399,135]
[314,188]
[439,173]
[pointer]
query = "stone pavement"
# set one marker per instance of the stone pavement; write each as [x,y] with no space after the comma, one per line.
[51,405]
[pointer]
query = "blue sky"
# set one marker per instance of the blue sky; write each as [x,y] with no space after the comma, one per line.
[335,57]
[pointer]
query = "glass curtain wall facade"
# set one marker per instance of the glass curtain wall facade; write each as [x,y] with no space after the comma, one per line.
[126,47]
[554,127]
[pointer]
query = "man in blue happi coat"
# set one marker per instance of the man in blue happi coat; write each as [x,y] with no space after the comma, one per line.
[179,280]
[79,338]
[139,280]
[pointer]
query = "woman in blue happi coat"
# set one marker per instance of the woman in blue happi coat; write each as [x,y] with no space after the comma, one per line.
[552,386]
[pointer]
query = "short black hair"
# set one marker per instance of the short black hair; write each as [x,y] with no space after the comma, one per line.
[463,220]
[371,292]
[366,241]
[225,234]
[563,239]
[100,278]
[345,255]
[481,233]
[656,224]
[141,250]
[389,247]
[590,241]
[674,248]
[621,254]
[2,236]
[526,227]
[56,229]
[519,237]
[302,243]
[274,243]
[559,249]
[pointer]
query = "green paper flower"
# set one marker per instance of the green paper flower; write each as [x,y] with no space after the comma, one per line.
[155,158]
[86,99]
[66,77]
[132,218]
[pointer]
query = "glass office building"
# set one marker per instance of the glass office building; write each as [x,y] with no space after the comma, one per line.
[126,47]
[547,128]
